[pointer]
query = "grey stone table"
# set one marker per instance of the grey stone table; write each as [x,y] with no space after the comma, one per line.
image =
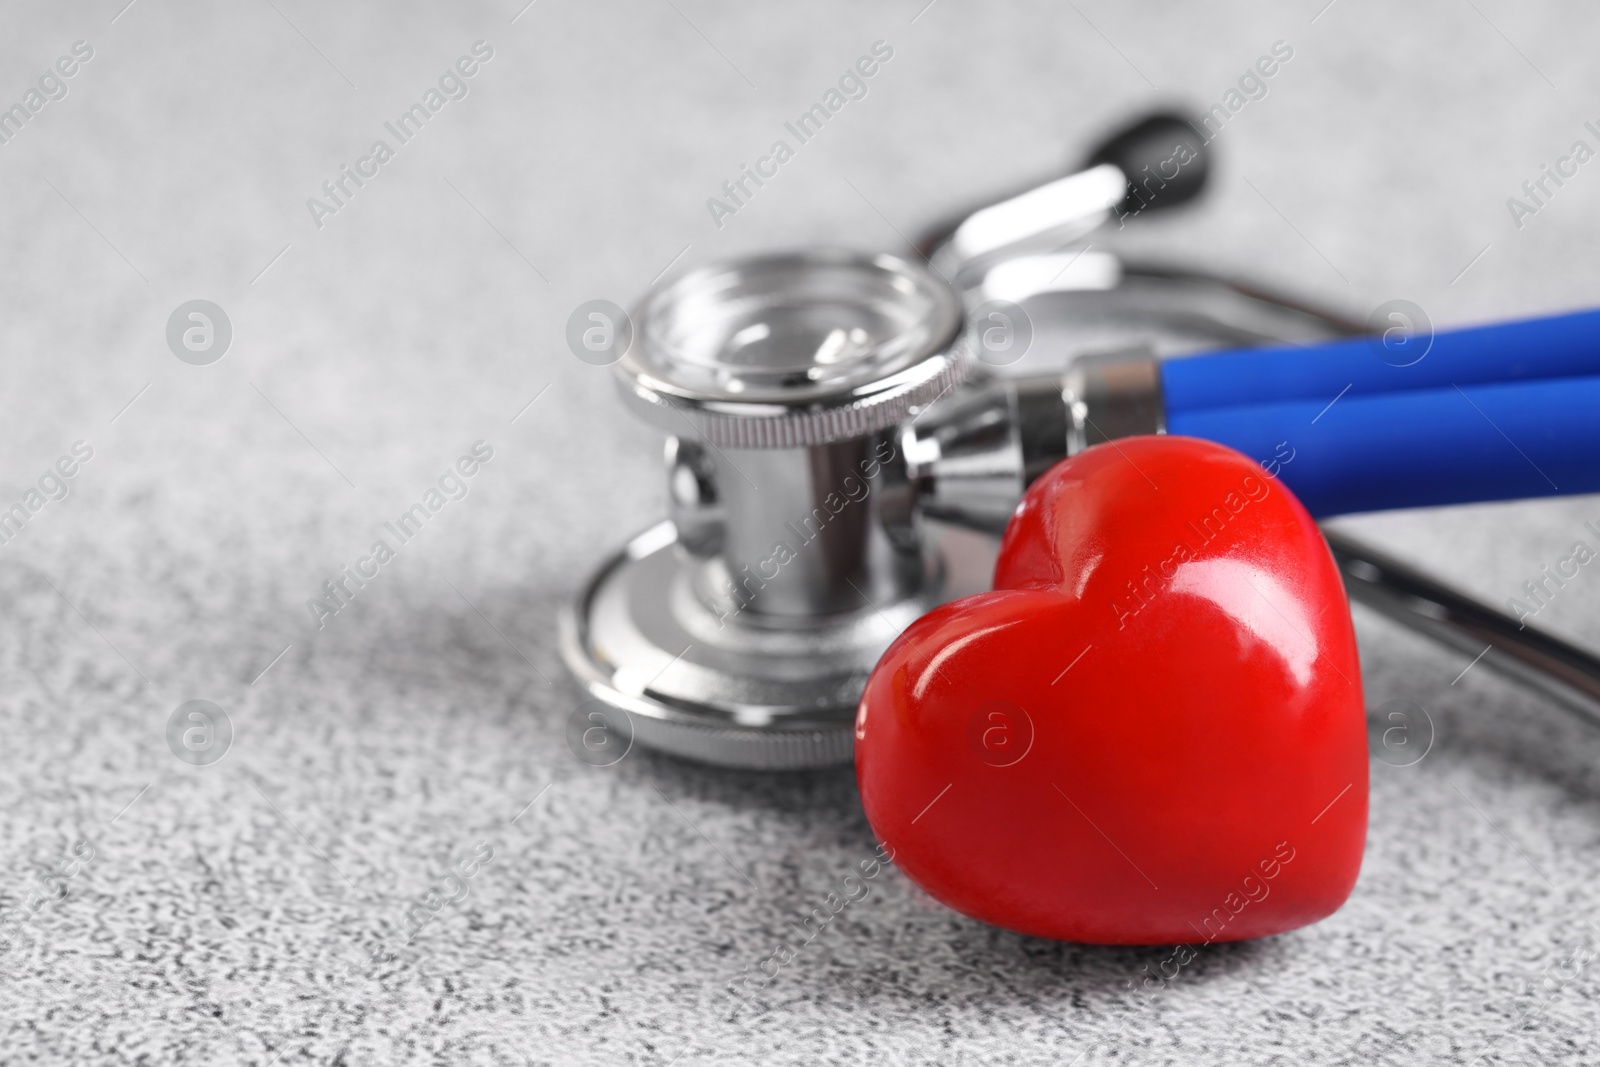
[262,909]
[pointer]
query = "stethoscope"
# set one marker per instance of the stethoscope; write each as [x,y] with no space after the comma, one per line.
[845,439]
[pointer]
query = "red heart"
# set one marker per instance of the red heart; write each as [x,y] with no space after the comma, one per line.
[1151,731]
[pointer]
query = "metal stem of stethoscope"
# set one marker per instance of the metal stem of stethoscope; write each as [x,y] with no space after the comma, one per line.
[1559,670]
[819,419]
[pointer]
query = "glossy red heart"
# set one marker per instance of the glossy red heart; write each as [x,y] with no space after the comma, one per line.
[1151,731]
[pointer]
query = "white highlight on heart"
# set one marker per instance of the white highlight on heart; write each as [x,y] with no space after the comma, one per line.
[1259,602]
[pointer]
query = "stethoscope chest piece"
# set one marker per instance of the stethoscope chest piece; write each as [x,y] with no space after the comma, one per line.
[742,631]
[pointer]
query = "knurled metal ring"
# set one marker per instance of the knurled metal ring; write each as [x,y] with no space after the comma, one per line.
[735,425]
[794,349]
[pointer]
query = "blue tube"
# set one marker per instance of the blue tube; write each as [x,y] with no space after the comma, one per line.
[1562,346]
[1419,448]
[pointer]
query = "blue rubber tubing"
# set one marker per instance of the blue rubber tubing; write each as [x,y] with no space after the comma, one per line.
[1415,448]
[1562,346]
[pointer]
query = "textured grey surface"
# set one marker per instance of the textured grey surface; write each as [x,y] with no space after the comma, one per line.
[225,907]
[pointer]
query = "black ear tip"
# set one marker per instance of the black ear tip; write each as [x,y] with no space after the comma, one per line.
[1164,156]
[1155,133]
